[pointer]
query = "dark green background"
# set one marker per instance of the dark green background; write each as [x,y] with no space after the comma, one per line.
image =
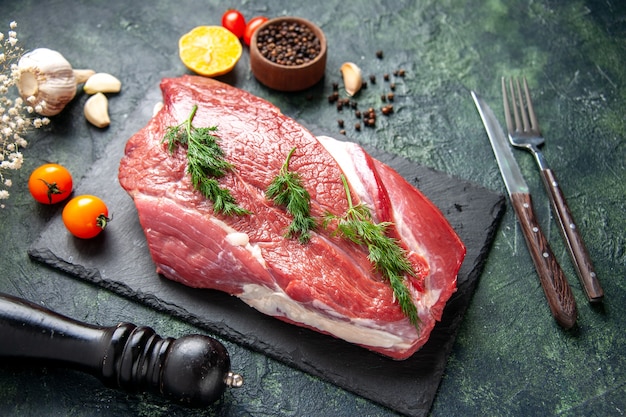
[510,357]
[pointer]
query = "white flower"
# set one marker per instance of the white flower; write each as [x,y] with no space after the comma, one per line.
[15,119]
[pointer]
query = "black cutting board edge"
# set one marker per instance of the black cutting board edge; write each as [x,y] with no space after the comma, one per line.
[119,261]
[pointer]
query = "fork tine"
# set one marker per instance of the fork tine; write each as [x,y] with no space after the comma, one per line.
[518,122]
[534,124]
[507,110]
[522,107]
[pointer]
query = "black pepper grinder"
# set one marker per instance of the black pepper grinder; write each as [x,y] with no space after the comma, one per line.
[192,371]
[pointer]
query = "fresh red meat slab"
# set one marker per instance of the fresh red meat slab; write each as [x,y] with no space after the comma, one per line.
[327,284]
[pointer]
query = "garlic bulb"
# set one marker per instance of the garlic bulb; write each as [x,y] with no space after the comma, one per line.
[352,78]
[46,81]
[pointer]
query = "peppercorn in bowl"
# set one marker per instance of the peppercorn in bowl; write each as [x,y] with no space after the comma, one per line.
[288,54]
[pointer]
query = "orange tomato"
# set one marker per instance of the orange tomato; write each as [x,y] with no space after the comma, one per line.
[50,183]
[85,216]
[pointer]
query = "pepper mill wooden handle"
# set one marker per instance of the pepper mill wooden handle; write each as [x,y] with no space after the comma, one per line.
[193,370]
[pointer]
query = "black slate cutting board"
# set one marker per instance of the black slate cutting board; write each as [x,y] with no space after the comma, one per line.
[119,260]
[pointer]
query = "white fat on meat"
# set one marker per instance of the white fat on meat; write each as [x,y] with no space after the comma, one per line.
[235,238]
[347,160]
[354,330]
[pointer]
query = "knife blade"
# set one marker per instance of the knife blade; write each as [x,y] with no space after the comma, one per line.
[553,281]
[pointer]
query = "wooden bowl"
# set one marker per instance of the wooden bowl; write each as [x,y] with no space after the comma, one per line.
[288,77]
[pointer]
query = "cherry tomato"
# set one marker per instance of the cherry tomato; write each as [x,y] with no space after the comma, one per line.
[85,216]
[252,26]
[50,183]
[234,21]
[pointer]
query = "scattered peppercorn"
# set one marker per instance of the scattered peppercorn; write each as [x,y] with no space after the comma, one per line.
[367,117]
[387,110]
[379,54]
[288,43]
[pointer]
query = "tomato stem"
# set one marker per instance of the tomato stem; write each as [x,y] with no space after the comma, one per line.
[52,189]
[102,221]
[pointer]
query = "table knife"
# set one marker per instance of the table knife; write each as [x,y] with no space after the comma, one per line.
[555,286]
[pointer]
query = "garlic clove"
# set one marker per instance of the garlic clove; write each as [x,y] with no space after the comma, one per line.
[83,75]
[46,81]
[352,78]
[102,82]
[97,110]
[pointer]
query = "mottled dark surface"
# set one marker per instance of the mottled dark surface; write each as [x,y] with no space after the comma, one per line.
[510,357]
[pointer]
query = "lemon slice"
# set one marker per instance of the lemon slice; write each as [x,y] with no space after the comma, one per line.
[209,50]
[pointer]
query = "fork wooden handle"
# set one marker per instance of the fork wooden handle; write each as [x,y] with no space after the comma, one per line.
[575,244]
[555,286]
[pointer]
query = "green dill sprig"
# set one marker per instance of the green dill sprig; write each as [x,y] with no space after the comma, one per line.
[287,190]
[385,253]
[205,162]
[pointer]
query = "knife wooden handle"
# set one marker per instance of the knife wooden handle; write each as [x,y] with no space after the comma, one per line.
[575,244]
[191,371]
[555,285]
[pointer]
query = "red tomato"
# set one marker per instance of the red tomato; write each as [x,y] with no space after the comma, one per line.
[234,21]
[252,26]
[85,216]
[50,183]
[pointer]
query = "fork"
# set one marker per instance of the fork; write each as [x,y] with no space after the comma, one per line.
[524,132]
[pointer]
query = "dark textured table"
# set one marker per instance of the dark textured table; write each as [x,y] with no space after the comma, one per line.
[510,358]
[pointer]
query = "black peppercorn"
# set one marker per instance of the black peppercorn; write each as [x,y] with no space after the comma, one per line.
[288,43]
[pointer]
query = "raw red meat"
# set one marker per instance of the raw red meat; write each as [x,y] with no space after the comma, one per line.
[327,284]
